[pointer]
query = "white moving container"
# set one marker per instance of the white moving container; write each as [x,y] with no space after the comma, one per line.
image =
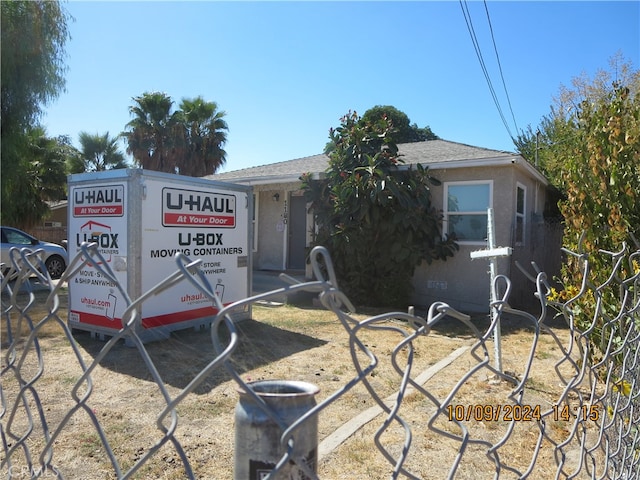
[140,219]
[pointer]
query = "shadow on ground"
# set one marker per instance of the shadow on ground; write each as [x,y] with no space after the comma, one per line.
[509,323]
[181,357]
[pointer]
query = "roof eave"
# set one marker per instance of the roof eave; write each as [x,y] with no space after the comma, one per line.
[263,180]
[490,162]
[454,164]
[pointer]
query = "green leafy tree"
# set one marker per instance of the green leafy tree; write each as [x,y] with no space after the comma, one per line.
[545,145]
[189,140]
[98,153]
[597,163]
[602,173]
[542,146]
[374,214]
[34,35]
[402,131]
[204,130]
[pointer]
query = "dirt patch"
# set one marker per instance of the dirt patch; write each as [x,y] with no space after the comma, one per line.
[122,402]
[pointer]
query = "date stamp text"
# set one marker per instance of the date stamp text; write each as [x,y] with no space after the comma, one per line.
[519,413]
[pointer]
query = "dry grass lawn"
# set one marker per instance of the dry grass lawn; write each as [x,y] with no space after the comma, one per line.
[291,343]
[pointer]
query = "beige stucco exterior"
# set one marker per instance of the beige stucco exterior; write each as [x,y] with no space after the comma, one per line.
[461,281]
[271,241]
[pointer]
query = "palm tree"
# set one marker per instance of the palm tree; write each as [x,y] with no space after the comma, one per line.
[40,177]
[47,156]
[204,135]
[98,153]
[152,133]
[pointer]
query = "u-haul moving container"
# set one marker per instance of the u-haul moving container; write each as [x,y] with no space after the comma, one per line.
[140,219]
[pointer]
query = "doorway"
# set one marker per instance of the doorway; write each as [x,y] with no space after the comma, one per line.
[296,255]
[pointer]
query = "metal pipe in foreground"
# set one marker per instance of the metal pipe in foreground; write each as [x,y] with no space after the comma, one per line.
[257,436]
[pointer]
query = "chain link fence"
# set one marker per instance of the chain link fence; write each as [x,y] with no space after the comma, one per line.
[590,430]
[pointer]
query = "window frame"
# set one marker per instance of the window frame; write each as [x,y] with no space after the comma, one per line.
[447,214]
[254,221]
[520,215]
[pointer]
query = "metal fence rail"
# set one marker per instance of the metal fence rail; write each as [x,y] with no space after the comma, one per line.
[597,371]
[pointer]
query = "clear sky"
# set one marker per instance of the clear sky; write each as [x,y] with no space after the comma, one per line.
[285,72]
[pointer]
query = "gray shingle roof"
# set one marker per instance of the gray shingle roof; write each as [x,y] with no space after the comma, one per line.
[441,151]
[428,152]
[314,163]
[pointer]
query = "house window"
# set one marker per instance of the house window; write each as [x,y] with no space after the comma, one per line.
[465,213]
[520,220]
[254,222]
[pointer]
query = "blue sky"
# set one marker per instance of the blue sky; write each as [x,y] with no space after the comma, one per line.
[285,72]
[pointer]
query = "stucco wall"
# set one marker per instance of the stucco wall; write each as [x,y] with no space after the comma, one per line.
[271,229]
[460,281]
[272,226]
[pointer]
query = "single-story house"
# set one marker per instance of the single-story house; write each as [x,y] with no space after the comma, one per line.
[473,179]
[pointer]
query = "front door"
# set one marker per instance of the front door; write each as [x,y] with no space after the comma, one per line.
[297,233]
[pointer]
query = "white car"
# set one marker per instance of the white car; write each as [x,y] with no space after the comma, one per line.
[55,257]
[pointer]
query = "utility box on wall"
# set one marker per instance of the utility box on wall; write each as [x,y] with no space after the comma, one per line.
[140,219]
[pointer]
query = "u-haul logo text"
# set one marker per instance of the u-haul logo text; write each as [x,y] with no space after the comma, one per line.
[197,209]
[102,201]
[101,234]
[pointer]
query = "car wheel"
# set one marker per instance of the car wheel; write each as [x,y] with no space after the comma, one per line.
[55,266]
